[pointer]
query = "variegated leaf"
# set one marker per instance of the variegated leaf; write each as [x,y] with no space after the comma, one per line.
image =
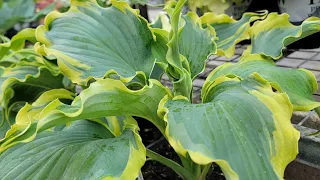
[230,31]
[299,84]
[92,41]
[84,150]
[103,98]
[242,125]
[270,36]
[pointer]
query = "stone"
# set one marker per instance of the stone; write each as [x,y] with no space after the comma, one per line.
[223,58]
[237,59]
[245,46]
[316,97]
[214,63]
[316,58]
[302,55]
[205,72]
[312,65]
[196,97]
[239,51]
[311,50]
[168,84]
[212,57]
[289,62]
[198,83]
[165,77]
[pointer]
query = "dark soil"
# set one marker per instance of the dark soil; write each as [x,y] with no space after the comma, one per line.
[153,170]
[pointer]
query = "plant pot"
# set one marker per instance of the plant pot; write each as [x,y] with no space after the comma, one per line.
[299,10]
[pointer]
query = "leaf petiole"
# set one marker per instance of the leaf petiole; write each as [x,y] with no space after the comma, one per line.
[182,172]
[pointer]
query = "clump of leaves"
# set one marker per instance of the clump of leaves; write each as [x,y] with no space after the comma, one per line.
[52,132]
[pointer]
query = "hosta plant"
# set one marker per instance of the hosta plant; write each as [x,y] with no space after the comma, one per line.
[70,103]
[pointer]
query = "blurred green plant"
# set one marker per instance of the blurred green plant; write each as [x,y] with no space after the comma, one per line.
[19,11]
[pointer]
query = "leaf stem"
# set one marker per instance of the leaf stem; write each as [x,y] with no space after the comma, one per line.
[182,172]
[204,172]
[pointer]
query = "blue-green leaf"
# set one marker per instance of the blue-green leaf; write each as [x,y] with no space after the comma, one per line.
[85,150]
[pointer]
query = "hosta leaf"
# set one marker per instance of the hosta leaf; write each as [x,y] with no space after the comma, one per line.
[243,126]
[270,36]
[17,42]
[299,84]
[22,122]
[107,97]
[85,150]
[159,51]
[14,57]
[229,31]
[92,41]
[196,43]
[24,82]
[178,66]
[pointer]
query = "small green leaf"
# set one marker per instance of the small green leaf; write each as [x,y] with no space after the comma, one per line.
[85,150]
[229,31]
[159,50]
[178,67]
[299,84]
[92,41]
[196,43]
[243,126]
[270,36]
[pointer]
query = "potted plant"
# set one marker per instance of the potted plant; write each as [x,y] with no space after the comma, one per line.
[70,103]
